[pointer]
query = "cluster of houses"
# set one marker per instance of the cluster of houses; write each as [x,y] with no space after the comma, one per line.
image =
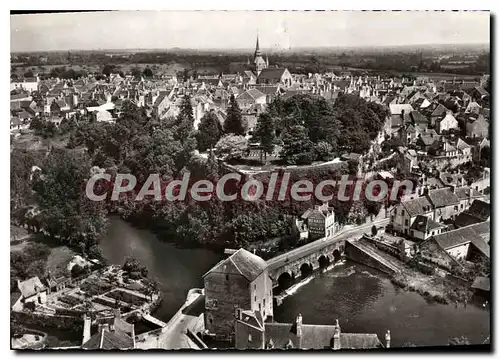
[422,112]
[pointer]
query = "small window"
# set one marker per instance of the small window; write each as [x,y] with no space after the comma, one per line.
[255,286]
[249,337]
[227,277]
[264,301]
[260,307]
[255,298]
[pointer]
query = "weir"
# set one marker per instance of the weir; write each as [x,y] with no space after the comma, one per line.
[370,256]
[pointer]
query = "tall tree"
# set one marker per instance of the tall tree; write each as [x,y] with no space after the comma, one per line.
[209,131]
[297,148]
[265,133]
[231,147]
[185,120]
[234,121]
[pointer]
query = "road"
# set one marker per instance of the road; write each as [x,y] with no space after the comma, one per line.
[314,246]
[173,336]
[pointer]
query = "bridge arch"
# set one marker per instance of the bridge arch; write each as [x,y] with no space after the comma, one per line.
[305,270]
[323,261]
[336,255]
[285,280]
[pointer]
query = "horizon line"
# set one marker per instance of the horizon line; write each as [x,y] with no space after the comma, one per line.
[272,49]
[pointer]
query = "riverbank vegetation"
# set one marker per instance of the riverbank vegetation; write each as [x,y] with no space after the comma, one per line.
[49,191]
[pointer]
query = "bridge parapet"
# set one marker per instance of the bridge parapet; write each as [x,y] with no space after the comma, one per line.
[295,263]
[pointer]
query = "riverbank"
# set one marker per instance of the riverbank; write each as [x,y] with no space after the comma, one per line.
[432,287]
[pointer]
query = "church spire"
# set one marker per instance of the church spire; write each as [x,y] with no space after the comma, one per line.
[257,47]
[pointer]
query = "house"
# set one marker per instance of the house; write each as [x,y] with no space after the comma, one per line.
[436,112]
[252,333]
[461,244]
[249,98]
[29,84]
[424,227]
[477,127]
[478,212]
[473,108]
[241,279]
[444,202]
[275,76]
[480,94]
[406,212]
[320,221]
[466,195]
[117,335]
[481,286]
[447,123]
[400,114]
[477,144]
[32,290]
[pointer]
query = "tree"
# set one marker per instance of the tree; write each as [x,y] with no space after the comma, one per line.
[148,73]
[209,131]
[136,73]
[265,133]
[131,265]
[108,69]
[323,150]
[185,119]
[234,121]
[231,147]
[297,148]
[77,271]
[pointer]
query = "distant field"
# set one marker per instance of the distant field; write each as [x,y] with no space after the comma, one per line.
[126,68]
[449,66]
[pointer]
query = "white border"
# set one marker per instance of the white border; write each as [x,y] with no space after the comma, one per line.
[198,5]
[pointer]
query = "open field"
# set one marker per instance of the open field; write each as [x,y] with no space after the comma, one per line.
[158,69]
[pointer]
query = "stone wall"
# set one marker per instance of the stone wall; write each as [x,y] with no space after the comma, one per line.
[358,254]
[228,291]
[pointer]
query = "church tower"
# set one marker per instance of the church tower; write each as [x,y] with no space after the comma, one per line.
[259,61]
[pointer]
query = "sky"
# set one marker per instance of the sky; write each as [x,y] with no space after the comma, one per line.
[238,29]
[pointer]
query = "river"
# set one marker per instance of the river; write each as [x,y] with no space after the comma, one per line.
[363,299]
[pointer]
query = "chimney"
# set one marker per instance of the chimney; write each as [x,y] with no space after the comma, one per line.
[86,328]
[336,336]
[388,339]
[298,323]
[117,314]
[237,313]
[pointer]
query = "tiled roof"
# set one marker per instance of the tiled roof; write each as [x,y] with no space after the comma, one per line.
[465,219]
[29,287]
[109,340]
[424,224]
[271,74]
[317,337]
[267,89]
[481,283]
[242,262]
[417,206]
[439,110]
[417,117]
[442,197]
[468,234]
[396,109]
[463,192]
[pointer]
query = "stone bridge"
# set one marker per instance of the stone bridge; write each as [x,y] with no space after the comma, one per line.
[299,263]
